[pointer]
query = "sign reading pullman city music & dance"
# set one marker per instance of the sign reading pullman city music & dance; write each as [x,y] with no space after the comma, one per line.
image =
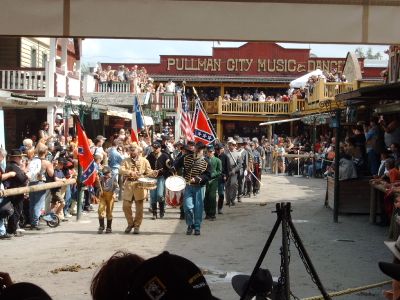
[250,59]
[263,65]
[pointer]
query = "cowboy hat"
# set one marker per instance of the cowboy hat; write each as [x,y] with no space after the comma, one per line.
[394,247]
[16,153]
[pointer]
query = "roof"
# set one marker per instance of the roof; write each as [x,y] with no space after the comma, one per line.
[372,94]
[204,78]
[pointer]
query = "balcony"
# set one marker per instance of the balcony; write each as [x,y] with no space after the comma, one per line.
[31,81]
[254,107]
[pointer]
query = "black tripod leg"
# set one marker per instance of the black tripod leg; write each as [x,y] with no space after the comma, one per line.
[308,260]
[285,250]
[264,251]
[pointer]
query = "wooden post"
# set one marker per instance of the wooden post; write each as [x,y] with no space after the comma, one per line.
[220,99]
[36,188]
[219,129]
[337,158]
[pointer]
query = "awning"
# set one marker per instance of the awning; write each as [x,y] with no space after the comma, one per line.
[148,121]
[279,121]
[333,21]
[371,94]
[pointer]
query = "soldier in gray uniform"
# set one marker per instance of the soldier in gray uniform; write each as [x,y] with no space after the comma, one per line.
[243,166]
[235,163]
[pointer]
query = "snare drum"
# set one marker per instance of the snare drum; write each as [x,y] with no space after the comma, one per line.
[174,189]
[147,183]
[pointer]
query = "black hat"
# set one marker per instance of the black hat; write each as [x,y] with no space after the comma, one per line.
[210,148]
[200,145]
[191,143]
[24,290]
[168,276]
[106,170]
[390,269]
[16,153]
[218,146]
[262,283]
[156,145]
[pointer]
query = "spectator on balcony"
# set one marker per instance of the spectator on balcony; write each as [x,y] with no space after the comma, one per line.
[149,88]
[261,97]
[160,89]
[121,73]
[170,86]
[227,96]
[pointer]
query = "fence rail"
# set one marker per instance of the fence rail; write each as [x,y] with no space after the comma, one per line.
[24,79]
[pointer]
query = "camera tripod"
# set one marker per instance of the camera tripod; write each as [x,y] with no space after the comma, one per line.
[283,211]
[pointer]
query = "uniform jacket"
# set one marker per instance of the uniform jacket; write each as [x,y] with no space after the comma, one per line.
[216,168]
[197,168]
[142,166]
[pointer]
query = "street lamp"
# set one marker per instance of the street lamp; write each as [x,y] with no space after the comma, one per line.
[79,110]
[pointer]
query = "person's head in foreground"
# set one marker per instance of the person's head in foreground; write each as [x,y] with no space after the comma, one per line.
[112,280]
[166,277]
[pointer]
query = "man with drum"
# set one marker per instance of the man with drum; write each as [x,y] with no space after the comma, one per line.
[197,172]
[210,201]
[133,168]
[160,162]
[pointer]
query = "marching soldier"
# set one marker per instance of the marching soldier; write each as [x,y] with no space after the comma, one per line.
[212,185]
[235,163]
[133,168]
[197,172]
[160,162]
[243,167]
[220,153]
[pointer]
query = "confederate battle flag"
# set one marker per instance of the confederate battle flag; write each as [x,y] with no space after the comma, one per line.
[203,130]
[85,157]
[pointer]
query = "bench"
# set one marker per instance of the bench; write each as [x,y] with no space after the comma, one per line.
[354,195]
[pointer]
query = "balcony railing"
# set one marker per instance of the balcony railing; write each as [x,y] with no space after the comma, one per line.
[254,108]
[23,79]
[113,87]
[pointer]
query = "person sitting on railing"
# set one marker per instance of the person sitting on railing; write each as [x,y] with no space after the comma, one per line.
[170,86]
[261,97]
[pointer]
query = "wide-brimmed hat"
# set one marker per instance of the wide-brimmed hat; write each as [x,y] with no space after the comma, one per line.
[16,153]
[231,141]
[390,269]
[169,276]
[262,284]
[200,145]
[394,247]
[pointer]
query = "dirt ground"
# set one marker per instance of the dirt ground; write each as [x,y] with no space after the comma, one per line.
[345,254]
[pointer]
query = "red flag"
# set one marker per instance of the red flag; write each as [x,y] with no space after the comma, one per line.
[203,131]
[85,157]
[134,136]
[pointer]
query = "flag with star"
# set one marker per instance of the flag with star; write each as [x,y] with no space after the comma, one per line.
[85,157]
[202,129]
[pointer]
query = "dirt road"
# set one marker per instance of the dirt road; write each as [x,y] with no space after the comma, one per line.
[344,254]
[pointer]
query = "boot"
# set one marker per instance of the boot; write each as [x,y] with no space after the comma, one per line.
[162,209]
[154,210]
[109,230]
[101,226]
[182,213]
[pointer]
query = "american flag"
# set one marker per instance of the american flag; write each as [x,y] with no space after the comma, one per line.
[186,124]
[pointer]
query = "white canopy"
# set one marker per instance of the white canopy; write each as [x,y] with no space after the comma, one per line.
[301,81]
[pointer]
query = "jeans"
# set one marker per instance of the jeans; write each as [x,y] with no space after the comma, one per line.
[2,227]
[68,199]
[193,205]
[373,161]
[36,204]
[158,194]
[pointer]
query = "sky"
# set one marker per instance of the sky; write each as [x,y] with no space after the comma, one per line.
[148,51]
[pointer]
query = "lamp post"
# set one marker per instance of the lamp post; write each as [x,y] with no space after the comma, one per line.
[79,110]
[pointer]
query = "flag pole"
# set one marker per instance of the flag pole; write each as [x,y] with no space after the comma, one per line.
[79,184]
[205,112]
[142,115]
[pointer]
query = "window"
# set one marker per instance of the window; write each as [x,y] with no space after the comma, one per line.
[44,59]
[33,58]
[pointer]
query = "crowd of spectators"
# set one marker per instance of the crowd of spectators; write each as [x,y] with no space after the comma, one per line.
[258,96]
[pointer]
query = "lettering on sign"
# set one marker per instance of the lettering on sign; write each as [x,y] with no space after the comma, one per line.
[260,65]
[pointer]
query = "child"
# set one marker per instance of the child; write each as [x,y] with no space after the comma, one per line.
[58,194]
[107,185]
